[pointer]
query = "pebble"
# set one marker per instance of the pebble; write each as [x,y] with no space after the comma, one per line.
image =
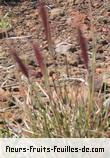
[63,48]
[55,12]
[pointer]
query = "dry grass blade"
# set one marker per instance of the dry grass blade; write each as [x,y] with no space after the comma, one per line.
[83,47]
[19,62]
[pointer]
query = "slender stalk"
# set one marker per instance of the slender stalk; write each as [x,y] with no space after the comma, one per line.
[93,64]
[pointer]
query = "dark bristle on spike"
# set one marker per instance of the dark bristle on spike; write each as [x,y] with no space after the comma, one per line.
[44,16]
[43,12]
[83,46]
[19,62]
[39,57]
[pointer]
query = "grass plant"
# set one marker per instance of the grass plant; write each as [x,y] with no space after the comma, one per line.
[57,108]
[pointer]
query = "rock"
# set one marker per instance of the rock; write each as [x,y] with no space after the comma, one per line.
[63,48]
[98,83]
[4,95]
[56,12]
[107,79]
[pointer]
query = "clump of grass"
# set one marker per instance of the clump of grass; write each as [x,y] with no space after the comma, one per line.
[5,133]
[60,109]
[4,22]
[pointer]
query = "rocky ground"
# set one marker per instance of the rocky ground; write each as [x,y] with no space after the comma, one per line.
[63,14]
